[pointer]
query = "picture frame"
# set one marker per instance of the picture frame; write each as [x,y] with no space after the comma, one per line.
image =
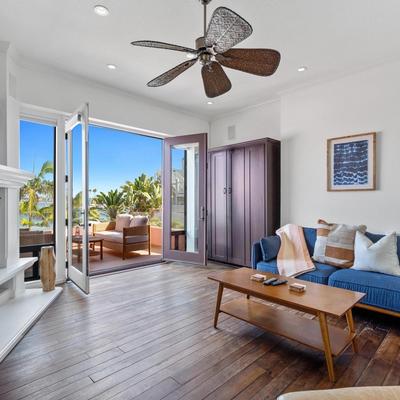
[351,163]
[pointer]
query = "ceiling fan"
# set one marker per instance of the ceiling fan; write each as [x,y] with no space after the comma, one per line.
[225,30]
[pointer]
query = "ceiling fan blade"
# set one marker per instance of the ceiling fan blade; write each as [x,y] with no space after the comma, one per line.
[262,62]
[171,74]
[215,80]
[226,29]
[162,45]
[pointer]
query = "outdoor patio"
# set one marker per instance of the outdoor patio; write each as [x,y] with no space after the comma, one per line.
[112,260]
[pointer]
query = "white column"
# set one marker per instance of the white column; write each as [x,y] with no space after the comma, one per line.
[9,155]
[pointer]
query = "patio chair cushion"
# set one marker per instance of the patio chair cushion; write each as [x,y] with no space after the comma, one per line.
[122,221]
[117,237]
[139,220]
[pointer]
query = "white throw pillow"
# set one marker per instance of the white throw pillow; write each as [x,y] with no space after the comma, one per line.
[122,221]
[376,257]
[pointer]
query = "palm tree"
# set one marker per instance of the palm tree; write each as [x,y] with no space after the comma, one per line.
[143,194]
[37,190]
[111,203]
[77,207]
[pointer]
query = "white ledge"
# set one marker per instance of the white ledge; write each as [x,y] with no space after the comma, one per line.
[13,178]
[9,272]
[19,314]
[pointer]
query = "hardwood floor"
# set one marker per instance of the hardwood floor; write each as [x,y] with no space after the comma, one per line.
[148,334]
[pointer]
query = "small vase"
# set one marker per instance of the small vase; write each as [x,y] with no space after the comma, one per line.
[47,268]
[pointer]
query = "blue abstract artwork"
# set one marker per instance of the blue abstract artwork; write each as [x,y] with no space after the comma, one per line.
[350,163]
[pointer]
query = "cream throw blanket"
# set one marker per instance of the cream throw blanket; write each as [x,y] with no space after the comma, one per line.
[293,257]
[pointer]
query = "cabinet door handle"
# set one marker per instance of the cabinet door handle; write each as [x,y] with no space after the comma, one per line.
[224,190]
[230,191]
[202,213]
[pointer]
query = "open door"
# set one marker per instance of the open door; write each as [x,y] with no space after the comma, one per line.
[77,134]
[184,198]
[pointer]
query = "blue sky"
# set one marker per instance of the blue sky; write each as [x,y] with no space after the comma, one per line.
[36,145]
[114,156]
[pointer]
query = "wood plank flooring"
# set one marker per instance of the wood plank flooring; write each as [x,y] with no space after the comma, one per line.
[147,334]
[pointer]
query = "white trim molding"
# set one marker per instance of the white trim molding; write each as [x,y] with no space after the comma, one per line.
[13,178]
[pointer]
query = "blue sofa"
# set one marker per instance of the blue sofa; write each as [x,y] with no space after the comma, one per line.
[383,291]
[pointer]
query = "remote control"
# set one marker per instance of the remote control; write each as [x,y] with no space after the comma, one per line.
[270,281]
[278,282]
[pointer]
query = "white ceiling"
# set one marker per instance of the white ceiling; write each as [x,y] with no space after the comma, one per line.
[331,37]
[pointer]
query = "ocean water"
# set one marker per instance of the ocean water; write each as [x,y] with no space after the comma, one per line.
[350,163]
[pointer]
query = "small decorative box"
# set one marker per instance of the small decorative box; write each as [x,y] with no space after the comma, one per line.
[258,277]
[297,287]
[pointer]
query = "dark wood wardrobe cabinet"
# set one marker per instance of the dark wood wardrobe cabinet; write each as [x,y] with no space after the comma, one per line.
[243,198]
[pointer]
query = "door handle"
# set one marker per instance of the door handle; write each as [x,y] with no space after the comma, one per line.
[224,190]
[202,213]
[230,191]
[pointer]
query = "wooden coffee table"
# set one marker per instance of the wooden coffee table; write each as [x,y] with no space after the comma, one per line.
[319,300]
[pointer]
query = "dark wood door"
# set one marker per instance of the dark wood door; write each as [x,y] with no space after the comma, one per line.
[236,206]
[255,206]
[217,211]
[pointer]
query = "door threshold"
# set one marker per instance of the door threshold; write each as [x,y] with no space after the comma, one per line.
[125,268]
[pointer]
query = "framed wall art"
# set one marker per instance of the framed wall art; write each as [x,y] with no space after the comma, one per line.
[351,163]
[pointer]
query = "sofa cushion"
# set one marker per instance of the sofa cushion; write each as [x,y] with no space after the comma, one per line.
[380,256]
[117,237]
[122,221]
[310,235]
[382,290]
[270,246]
[319,275]
[139,220]
[375,237]
[335,243]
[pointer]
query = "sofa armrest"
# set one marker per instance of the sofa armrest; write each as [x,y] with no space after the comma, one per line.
[352,393]
[256,254]
[103,226]
[137,231]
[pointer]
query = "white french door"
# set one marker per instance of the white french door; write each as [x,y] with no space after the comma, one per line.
[77,134]
[184,198]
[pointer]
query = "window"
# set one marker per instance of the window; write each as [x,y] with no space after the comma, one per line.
[37,206]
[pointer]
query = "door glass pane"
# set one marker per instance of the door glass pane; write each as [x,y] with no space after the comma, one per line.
[77,205]
[184,198]
[36,220]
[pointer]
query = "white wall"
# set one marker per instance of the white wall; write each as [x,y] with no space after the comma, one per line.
[63,92]
[365,102]
[253,123]
[304,119]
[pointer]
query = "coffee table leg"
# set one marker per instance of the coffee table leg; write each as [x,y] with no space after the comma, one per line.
[350,324]
[101,250]
[327,345]
[218,305]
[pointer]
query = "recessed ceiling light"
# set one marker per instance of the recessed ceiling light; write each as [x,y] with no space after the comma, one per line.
[210,103]
[101,10]
[302,69]
[191,56]
[111,66]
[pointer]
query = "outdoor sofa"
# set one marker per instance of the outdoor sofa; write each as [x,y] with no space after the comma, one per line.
[127,233]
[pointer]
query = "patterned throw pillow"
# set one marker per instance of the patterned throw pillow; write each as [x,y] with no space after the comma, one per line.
[335,243]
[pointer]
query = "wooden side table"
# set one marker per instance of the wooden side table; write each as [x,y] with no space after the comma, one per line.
[92,240]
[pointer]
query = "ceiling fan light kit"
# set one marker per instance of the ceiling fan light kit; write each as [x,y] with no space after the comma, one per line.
[225,30]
